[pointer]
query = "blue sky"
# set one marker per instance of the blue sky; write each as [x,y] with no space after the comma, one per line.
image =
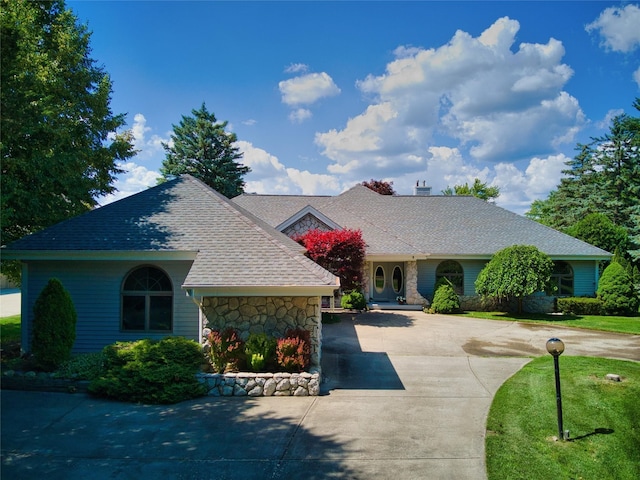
[324,95]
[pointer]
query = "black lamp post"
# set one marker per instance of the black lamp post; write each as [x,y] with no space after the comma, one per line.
[555,347]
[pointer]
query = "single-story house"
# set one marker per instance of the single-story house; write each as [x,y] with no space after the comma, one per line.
[175,259]
[413,240]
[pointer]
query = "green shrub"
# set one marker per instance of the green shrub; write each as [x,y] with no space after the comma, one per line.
[616,291]
[227,349]
[580,305]
[294,351]
[445,299]
[54,326]
[328,318]
[150,371]
[353,300]
[260,350]
[85,366]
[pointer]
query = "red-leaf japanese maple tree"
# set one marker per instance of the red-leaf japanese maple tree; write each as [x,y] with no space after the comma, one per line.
[339,251]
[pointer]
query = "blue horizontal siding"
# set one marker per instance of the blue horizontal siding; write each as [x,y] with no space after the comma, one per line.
[584,276]
[95,290]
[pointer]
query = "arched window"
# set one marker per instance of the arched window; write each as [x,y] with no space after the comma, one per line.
[562,276]
[147,301]
[452,271]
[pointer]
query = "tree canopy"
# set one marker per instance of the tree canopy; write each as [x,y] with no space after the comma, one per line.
[380,186]
[597,229]
[604,177]
[515,272]
[201,147]
[478,189]
[60,147]
[339,251]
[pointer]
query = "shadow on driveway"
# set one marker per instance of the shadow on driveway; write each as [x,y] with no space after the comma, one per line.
[346,366]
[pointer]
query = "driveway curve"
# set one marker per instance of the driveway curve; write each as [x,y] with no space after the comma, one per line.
[405,395]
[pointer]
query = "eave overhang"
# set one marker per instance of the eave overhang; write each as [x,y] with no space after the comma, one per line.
[260,291]
[87,255]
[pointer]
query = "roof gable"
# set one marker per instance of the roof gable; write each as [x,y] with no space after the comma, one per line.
[232,247]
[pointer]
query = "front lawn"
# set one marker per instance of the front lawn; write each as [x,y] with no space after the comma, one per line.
[590,322]
[603,418]
[10,329]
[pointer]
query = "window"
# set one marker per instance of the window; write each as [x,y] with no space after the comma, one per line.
[562,276]
[397,280]
[379,279]
[452,271]
[147,301]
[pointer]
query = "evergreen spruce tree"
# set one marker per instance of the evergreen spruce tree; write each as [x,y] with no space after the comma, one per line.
[201,147]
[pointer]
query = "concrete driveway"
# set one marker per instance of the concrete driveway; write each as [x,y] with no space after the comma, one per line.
[405,395]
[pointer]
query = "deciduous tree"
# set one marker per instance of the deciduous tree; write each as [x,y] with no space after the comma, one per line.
[201,147]
[515,272]
[61,144]
[380,186]
[339,251]
[478,189]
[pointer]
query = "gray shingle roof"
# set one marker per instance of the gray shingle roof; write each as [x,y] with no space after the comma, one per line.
[234,248]
[425,225]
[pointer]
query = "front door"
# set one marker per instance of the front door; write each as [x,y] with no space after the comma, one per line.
[388,281]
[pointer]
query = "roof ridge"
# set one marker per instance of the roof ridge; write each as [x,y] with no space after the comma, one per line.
[264,229]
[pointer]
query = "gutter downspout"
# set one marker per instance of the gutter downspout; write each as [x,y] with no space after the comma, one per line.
[198,302]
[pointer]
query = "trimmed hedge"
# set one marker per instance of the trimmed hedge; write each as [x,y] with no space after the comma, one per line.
[580,306]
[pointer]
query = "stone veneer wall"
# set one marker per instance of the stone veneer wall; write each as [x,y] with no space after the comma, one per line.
[270,315]
[411,285]
[306,223]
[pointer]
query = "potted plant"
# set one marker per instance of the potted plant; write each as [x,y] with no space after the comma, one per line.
[401,300]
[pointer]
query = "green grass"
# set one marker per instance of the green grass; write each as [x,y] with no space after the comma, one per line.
[590,322]
[602,416]
[10,329]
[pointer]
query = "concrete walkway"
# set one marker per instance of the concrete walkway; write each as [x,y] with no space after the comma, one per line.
[9,302]
[405,396]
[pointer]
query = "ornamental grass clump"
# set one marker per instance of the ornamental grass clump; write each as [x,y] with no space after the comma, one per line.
[227,349]
[294,350]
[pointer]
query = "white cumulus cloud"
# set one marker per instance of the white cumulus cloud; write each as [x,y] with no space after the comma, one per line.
[148,146]
[307,89]
[619,28]
[475,107]
[269,175]
[135,179]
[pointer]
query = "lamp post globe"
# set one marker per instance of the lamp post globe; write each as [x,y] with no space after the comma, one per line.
[555,346]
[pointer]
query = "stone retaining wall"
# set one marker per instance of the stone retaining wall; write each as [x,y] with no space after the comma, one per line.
[261,384]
